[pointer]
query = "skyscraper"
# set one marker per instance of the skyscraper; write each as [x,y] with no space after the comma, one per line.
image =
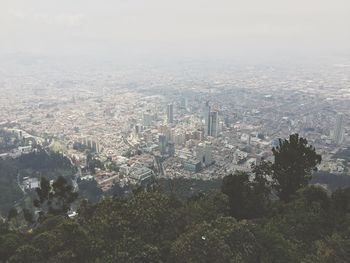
[213,124]
[338,133]
[211,121]
[147,119]
[170,113]
[206,115]
[171,149]
[204,153]
[162,144]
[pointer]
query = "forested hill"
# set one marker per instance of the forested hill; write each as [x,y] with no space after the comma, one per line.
[270,215]
[154,227]
[36,164]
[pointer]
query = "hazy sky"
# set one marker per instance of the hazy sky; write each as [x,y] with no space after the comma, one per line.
[177,27]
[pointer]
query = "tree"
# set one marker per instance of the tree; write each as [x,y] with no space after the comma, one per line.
[341,200]
[341,210]
[47,242]
[55,199]
[43,193]
[118,190]
[28,216]
[202,207]
[237,188]
[248,198]
[93,163]
[12,213]
[26,253]
[294,162]
[306,218]
[62,196]
[73,238]
[90,190]
[273,246]
[222,240]
[9,242]
[329,250]
[9,189]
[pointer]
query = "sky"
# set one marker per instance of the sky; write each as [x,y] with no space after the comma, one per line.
[164,28]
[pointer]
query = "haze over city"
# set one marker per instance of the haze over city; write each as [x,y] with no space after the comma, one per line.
[183,131]
[183,29]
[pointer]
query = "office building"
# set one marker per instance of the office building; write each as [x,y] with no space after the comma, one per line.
[206,115]
[338,133]
[192,165]
[204,153]
[170,113]
[211,121]
[214,124]
[171,149]
[162,144]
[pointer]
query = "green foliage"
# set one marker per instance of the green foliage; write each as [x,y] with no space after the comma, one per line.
[26,253]
[155,227]
[341,199]
[49,222]
[28,216]
[10,140]
[222,240]
[244,222]
[331,249]
[12,213]
[55,199]
[9,189]
[184,188]
[202,207]
[32,165]
[93,163]
[247,198]
[118,190]
[294,162]
[9,242]
[305,219]
[47,242]
[333,181]
[42,160]
[90,190]
[274,246]
[61,196]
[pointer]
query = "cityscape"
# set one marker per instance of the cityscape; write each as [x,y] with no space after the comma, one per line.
[187,131]
[181,125]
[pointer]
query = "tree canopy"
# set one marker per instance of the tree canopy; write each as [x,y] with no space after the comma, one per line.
[244,222]
[294,162]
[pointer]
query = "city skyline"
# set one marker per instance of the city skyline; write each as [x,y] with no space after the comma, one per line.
[187,131]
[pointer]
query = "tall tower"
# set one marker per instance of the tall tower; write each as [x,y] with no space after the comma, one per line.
[170,113]
[162,144]
[211,121]
[207,119]
[214,124]
[338,133]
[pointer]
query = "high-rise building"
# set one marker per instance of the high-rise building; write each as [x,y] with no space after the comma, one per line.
[206,115]
[214,124]
[170,113]
[184,103]
[162,144]
[338,133]
[211,121]
[204,153]
[147,119]
[171,149]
